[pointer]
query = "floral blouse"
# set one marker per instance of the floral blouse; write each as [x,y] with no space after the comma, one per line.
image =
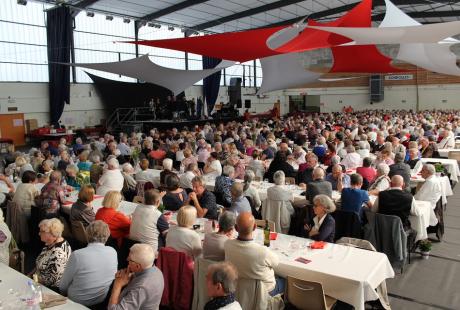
[51,263]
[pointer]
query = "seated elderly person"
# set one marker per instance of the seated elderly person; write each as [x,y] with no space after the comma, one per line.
[82,210]
[338,178]
[352,160]
[221,282]
[222,186]
[52,195]
[414,157]
[203,200]
[175,196]
[396,201]
[185,180]
[146,174]
[402,169]
[250,191]
[322,226]
[119,223]
[278,205]
[26,192]
[167,171]
[318,185]
[182,237]
[129,184]
[213,167]
[71,176]
[91,270]
[148,225]
[140,286]
[96,170]
[213,244]
[251,259]
[353,198]
[279,163]
[239,202]
[382,181]
[51,262]
[188,159]
[430,190]
[111,179]
[367,171]
[256,165]
[306,170]
[237,164]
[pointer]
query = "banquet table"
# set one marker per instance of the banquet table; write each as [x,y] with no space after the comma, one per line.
[125,207]
[445,152]
[12,286]
[450,164]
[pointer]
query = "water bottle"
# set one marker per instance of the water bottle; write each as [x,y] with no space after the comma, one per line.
[32,297]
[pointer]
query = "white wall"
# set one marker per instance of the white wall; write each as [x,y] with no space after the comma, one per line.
[86,109]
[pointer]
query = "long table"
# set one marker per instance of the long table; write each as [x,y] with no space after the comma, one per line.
[450,164]
[13,285]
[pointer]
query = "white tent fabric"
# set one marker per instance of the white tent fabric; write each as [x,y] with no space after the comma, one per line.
[144,69]
[285,71]
[434,57]
[285,35]
[432,33]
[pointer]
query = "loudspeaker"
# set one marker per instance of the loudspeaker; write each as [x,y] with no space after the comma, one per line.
[376,88]
[239,104]
[234,91]
[247,103]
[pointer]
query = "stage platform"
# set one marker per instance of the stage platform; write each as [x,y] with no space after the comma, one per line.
[146,125]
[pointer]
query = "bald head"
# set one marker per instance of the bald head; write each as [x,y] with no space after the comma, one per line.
[318,173]
[245,224]
[397,181]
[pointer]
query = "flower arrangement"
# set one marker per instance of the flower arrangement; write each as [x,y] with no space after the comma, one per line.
[425,245]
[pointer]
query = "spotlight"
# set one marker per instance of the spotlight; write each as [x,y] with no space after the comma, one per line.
[171,28]
[90,14]
[22,2]
[126,20]
[109,17]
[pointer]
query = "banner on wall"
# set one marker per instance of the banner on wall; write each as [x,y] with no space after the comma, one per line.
[399,77]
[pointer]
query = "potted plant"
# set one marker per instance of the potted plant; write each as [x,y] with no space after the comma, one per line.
[425,248]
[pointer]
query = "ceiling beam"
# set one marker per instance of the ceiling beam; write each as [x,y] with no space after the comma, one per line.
[250,12]
[438,14]
[84,4]
[171,9]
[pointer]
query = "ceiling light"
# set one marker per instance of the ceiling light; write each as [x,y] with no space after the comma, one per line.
[126,20]
[22,2]
[171,28]
[90,14]
[109,17]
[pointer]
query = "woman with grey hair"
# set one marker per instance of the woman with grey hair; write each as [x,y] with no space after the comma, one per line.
[91,270]
[111,179]
[322,226]
[382,182]
[249,190]
[221,282]
[213,244]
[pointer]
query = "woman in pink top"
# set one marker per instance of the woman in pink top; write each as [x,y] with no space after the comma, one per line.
[366,171]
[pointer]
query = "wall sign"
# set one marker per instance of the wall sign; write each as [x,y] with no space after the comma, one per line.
[399,77]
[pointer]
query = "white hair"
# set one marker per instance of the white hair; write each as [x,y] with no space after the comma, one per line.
[383,169]
[167,164]
[127,167]
[430,168]
[113,164]
[143,254]
[228,170]
[279,177]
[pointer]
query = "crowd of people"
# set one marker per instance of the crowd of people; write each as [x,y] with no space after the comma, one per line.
[314,151]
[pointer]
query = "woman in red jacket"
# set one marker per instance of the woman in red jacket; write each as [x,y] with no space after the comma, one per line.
[118,222]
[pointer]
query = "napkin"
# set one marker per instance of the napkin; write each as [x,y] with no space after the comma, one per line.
[52,300]
[318,245]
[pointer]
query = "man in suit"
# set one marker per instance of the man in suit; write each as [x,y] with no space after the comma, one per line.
[402,169]
[318,185]
[396,201]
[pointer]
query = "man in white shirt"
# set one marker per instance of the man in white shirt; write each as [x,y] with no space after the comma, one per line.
[352,160]
[213,167]
[430,191]
[252,260]
[112,179]
[448,139]
[148,225]
[185,180]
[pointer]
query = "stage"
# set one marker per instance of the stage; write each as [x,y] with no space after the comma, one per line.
[146,125]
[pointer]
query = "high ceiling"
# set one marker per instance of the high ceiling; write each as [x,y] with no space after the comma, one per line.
[235,15]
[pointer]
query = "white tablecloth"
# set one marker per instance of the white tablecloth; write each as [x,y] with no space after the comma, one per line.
[125,207]
[13,285]
[445,152]
[450,164]
[346,273]
[420,220]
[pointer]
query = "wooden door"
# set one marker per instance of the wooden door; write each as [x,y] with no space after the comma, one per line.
[12,127]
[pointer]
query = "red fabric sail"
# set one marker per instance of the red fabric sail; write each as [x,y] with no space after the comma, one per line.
[237,46]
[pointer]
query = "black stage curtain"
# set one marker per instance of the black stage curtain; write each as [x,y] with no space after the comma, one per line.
[211,83]
[115,94]
[59,39]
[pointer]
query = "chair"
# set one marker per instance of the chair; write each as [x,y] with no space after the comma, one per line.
[307,295]
[366,245]
[200,295]
[16,220]
[79,232]
[251,295]
[261,224]
[17,259]
[277,211]
[347,224]
[438,229]
[177,268]
[454,155]
[290,180]
[254,211]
